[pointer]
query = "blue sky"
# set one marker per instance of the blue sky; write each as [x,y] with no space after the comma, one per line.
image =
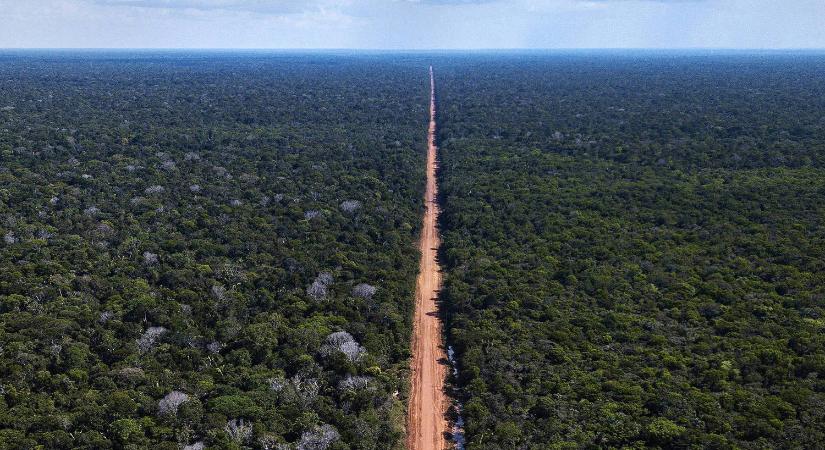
[413,24]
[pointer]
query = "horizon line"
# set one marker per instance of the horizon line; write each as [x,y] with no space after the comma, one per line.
[454,49]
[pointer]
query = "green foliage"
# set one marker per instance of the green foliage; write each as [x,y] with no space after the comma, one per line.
[126,431]
[155,238]
[663,431]
[633,249]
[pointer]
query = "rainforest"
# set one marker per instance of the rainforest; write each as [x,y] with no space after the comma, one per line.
[249,249]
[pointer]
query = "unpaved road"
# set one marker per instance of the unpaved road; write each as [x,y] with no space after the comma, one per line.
[426,421]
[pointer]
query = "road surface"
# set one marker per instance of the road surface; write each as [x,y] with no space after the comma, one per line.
[426,421]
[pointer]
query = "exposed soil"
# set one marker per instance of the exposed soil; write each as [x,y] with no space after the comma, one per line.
[426,422]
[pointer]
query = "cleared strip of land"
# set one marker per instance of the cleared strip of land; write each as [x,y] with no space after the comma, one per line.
[427,423]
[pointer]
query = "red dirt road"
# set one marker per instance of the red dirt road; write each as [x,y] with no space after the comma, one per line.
[426,421]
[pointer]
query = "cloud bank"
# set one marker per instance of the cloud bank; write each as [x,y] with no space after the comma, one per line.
[413,24]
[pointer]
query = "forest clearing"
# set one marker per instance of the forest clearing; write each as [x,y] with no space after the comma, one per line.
[428,401]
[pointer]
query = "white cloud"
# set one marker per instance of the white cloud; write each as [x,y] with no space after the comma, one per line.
[411,23]
[257,6]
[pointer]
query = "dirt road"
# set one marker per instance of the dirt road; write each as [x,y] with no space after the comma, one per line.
[426,422]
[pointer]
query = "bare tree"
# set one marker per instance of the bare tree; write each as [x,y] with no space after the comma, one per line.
[214,347]
[354,383]
[306,389]
[238,431]
[271,442]
[343,342]
[219,292]
[364,290]
[278,384]
[148,339]
[325,277]
[300,388]
[319,438]
[339,337]
[150,258]
[169,404]
[319,288]
[154,189]
[104,229]
[105,316]
[220,171]
[350,206]
[352,350]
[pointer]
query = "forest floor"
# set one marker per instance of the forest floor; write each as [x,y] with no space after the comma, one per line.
[427,422]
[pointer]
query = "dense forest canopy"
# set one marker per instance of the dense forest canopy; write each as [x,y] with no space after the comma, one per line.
[634,248]
[207,249]
[217,249]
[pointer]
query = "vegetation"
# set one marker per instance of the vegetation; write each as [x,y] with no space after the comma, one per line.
[207,250]
[633,247]
[217,250]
